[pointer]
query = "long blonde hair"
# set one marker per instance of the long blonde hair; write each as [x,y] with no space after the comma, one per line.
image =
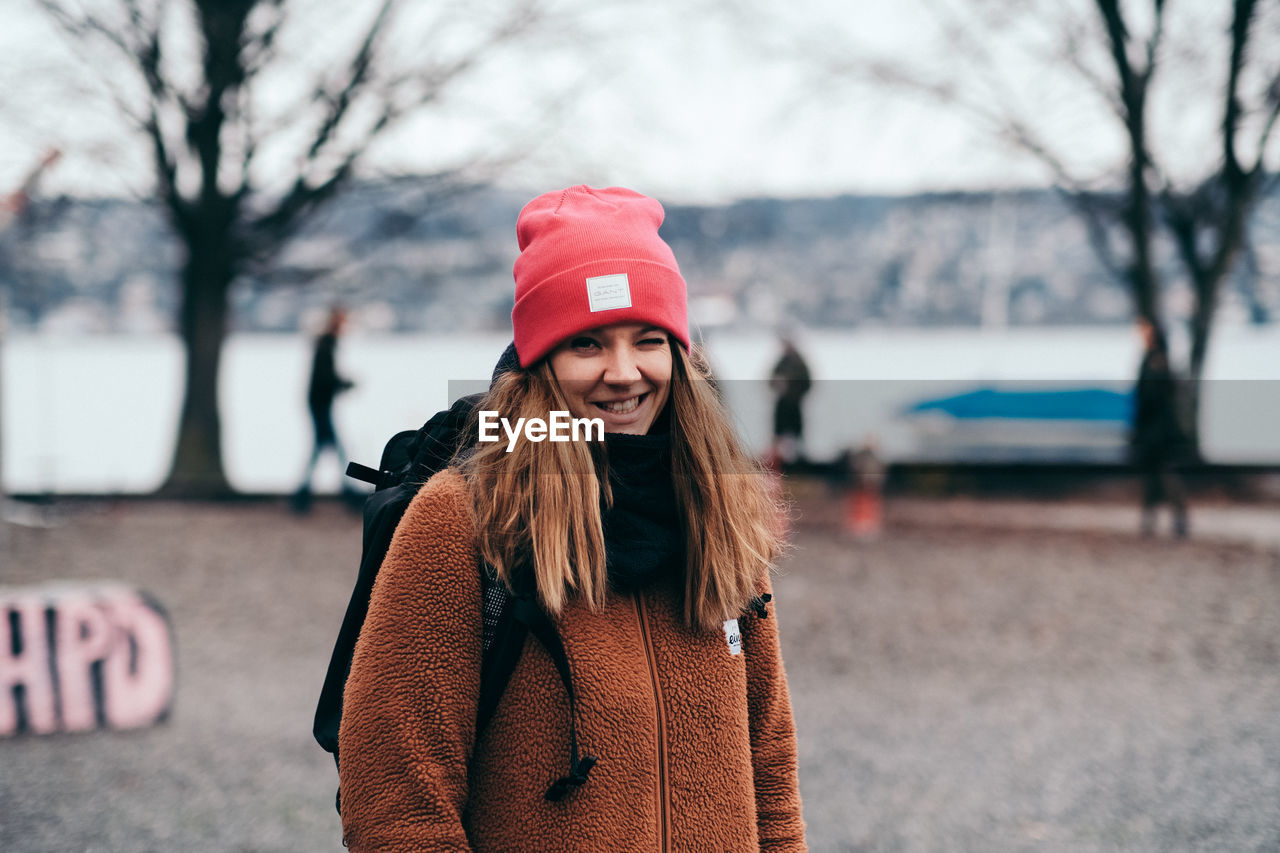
[540,505]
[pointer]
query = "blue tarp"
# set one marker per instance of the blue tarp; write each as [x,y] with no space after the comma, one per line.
[1076,404]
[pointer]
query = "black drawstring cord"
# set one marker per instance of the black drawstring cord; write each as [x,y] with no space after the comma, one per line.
[578,767]
[527,611]
[577,777]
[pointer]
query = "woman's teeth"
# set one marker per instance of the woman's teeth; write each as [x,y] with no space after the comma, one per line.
[621,407]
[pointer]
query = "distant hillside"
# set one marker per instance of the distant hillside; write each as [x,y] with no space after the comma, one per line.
[406,262]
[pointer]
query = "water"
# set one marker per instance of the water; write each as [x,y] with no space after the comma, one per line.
[97,414]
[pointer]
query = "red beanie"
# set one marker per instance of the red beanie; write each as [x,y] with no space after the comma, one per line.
[592,257]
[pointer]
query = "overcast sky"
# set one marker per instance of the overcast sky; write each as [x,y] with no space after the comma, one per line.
[686,106]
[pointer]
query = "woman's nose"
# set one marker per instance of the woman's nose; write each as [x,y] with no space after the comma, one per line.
[621,367]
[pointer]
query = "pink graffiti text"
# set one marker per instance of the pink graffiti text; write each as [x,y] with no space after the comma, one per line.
[84,657]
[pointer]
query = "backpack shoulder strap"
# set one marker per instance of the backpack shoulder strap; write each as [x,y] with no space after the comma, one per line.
[508,620]
[525,610]
[503,645]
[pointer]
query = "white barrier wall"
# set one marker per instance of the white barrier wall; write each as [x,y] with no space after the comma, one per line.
[96,414]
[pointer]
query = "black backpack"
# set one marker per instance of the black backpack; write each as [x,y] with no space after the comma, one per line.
[408,460]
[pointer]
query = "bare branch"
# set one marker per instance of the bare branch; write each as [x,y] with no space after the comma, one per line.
[1118,40]
[1092,207]
[1241,23]
[1072,55]
[259,50]
[396,100]
[1153,43]
[357,77]
[1268,126]
[86,26]
[1224,200]
[144,57]
[1099,214]
[1181,215]
[167,175]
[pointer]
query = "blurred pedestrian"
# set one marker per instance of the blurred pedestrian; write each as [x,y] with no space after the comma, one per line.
[1158,440]
[789,382]
[864,518]
[325,384]
[646,549]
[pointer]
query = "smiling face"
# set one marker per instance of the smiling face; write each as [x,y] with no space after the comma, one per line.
[621,374]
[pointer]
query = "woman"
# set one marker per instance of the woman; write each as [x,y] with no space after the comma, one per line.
[649,552]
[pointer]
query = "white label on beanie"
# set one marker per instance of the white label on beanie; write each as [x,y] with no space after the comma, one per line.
[607,292]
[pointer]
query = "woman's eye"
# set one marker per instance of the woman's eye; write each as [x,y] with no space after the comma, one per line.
[657,340]
[583,343]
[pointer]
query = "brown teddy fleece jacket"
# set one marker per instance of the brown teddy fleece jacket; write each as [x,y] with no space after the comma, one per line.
[693,732]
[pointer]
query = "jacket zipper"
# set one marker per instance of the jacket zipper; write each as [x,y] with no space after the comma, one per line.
[664,795]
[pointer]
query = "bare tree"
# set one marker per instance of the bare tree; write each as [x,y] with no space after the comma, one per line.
[1047,78]
[238,172]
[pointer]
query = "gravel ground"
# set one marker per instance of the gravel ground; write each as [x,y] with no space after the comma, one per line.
[960,683]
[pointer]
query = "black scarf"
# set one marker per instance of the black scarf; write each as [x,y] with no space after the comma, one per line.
[643,537]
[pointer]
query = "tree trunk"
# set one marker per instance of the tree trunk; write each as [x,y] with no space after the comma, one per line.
[1206,305]
[197,459]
